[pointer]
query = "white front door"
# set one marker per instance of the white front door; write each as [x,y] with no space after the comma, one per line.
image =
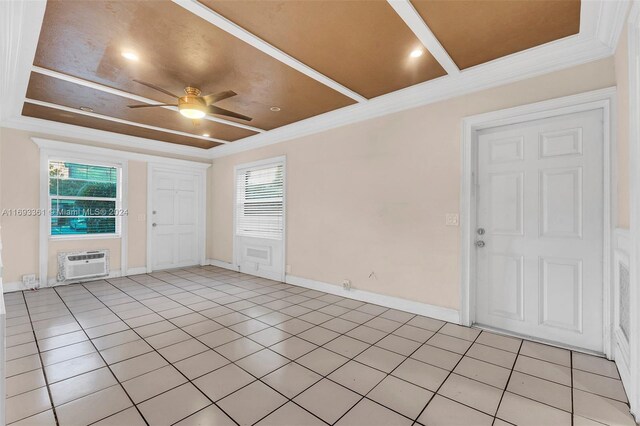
[540,215]
[260,219]
[174,216]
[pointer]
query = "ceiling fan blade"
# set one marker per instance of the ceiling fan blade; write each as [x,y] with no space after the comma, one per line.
[213,98]
[221,111]
[159,89]
[151,106]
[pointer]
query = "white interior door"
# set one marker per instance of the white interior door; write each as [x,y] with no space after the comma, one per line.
[540,206]
[260,219]
[174,219]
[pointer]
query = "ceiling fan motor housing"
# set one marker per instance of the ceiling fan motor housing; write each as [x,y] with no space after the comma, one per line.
[192,100]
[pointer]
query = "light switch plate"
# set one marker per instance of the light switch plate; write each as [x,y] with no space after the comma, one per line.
[452,219]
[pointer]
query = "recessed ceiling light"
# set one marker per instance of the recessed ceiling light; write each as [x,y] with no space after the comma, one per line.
[86,109]
[416,53]
[130,55]
[275,109]
[206,135]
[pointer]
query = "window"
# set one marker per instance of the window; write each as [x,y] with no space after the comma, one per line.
[260,202]
[84,198]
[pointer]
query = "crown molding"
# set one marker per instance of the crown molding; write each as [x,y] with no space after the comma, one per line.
[69,148]
[21,23]
[38,125]
[123,94]
[601,24]
[534,62]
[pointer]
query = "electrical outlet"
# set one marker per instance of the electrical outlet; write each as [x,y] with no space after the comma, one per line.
[346,285]
[452,219]
[29,280]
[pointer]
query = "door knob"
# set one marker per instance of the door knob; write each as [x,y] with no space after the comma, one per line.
[154,224]
[479,243]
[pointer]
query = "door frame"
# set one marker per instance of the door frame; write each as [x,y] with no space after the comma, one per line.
[604,99]
[201,194]
[267,161]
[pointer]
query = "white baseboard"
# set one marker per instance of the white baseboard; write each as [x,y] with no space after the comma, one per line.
[418,308]
[222,264]
[13,286]
[137,271]
[52,282]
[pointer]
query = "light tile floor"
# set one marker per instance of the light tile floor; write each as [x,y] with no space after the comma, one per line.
[215,347]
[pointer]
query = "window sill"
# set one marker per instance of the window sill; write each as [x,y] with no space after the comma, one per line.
[71,237]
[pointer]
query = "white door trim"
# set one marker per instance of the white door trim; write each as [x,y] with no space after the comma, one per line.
[274,160]
[201,189]
[633,387]
[599,99]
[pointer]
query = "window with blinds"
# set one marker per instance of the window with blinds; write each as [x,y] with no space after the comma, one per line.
[83,198]
[260,202]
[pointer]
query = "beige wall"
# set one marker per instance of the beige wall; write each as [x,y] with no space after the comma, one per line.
[20,182]
[622,166]
[372,196]
[137,230]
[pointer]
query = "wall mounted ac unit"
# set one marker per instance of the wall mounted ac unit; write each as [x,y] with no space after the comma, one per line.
[87,264]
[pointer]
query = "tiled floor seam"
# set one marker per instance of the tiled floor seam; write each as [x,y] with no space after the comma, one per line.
[447,378]
[506,385]
[107,366]
[322,377]
[294,361]
[169,363]
[44,373]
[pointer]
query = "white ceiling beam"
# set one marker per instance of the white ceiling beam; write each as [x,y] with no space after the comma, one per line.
[20,24]
[119,120]
[414,21]
[224,24]
[123,94]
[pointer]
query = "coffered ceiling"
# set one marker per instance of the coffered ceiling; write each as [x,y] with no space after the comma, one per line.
[292,63]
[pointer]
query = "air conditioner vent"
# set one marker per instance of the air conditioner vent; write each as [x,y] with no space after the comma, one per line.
[82,265]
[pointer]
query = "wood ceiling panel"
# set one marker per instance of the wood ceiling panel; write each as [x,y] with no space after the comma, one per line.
[478,31]
[86,38]
[53,90]
[363,45]
[38,111]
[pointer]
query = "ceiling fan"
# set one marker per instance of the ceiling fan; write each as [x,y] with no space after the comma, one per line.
[194,106]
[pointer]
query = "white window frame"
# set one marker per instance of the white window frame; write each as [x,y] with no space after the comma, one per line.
[257,167]
[119,166]
[261,163]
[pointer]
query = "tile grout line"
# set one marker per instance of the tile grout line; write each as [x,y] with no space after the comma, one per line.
[290,360]
[318,346]
[506,385]
[447,378]
[246,286]
[159,354]
[106,364]
[44,373]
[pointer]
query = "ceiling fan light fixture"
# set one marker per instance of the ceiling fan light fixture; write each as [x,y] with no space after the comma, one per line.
[192,113]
